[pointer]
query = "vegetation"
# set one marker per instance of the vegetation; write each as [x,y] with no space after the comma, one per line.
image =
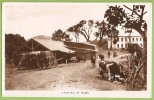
[117,16]
[75,31]
[59,35]
[84,28]
[102,28]
[12,43]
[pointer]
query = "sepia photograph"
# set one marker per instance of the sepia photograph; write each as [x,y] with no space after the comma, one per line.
[77,49]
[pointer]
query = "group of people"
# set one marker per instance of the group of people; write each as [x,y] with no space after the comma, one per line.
[109,54]
[93,60]
[101,57]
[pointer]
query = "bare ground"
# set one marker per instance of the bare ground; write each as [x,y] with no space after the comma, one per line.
[73,76]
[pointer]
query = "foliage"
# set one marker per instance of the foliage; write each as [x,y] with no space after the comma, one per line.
[117,16]
[135,21]
[76,30]
[84,28]
[102,29]
[12,43]
[112,33]
[135,80]
[105,29]
[59,35]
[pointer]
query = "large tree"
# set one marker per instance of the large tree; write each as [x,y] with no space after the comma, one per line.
[86,28]
[102,29]
[116,15]
[83,28]
[112,33]
[75,30]
[59,35]
[105,29]
[12,43]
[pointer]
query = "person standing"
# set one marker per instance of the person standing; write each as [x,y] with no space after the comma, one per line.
[93,61]
[109,54]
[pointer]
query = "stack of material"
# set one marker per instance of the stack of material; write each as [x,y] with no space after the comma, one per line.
[36,59]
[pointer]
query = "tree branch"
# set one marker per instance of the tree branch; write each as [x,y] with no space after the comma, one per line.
[132,10]
[76,37]
[84,35]
[144,12]
[141,18]
[84,32]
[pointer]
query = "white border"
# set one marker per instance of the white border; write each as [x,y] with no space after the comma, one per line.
[109,94]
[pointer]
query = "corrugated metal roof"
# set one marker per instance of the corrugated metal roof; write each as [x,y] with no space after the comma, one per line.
[53,45]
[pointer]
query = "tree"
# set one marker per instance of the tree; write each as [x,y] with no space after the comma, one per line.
[102,29]
[86,28]
[109,30]
[59,35]
[117,16]
[139,25]
[75,30]
[112,33]
[12,43]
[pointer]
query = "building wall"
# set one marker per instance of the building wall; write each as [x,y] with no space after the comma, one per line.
[123,40]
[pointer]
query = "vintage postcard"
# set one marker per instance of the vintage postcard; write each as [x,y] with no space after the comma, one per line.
[101,50]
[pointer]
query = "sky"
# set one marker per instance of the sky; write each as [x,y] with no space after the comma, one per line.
[32,19]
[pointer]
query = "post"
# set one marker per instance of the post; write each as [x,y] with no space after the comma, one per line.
[32,45]
[66,58]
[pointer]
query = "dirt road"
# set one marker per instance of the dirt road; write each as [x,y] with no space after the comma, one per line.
[73,76]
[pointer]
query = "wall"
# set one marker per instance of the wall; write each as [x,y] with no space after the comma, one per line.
[123,40]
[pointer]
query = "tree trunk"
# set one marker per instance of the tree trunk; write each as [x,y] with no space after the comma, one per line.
[144,57]
[88,40]
[111,44]
[77,38]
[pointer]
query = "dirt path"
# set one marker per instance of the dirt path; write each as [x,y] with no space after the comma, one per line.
[73,76]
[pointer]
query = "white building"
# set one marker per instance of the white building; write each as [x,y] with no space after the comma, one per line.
[125,37]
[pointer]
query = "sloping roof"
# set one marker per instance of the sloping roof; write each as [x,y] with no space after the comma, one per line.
[87,43]
[53,45]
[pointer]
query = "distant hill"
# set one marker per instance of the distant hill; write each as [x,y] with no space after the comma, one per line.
[42,37]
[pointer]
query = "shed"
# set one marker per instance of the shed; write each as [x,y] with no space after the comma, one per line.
[82,49]
[57,47]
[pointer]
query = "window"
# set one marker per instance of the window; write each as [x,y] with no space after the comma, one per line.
[121,39]
[126,39]
[118,39]
[133,39]
[117,45]
[140,39]
[136,39]
[121,45]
